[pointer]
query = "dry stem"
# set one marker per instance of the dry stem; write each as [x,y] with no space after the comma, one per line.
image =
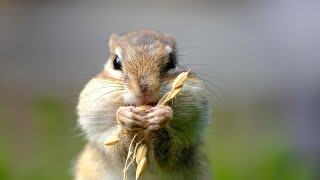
[128,156]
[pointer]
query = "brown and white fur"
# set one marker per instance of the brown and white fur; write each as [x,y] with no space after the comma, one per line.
[108,106]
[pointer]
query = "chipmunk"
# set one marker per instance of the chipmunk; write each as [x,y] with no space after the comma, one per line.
[140,70]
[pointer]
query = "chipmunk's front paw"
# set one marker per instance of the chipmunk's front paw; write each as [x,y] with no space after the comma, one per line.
[130,119]
[158,116]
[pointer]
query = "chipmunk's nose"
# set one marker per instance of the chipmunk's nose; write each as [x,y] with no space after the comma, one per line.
[143,84]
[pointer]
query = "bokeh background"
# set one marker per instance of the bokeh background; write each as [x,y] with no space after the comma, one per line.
[260,61]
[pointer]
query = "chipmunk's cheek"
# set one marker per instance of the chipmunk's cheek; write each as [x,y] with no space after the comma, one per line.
[130,99]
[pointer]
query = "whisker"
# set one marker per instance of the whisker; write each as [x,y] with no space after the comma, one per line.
[98,100]
[115,82]
[212,92]
[186,65]
[215,86]
[204,85]
[87,78]
[207,75]
[104,94]
[100,88]
[108,81]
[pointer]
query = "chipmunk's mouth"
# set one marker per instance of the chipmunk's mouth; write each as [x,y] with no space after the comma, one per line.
[147,101]
[152,104]
[150,99]
[140,104]
[141,100]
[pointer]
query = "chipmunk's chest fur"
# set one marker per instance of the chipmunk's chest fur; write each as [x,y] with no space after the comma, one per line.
[94,163]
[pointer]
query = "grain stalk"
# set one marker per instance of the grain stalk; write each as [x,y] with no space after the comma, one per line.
[141,160]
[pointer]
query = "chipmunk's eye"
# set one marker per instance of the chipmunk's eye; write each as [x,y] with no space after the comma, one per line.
[171,62]
[117,63]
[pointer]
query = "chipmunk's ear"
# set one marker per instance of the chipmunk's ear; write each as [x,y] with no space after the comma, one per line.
[170,41]
[113,39]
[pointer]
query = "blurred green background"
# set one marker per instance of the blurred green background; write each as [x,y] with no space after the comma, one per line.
[259,60]
[238,148]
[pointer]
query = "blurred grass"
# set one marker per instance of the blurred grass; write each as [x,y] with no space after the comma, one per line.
[51,144]
[249,147]
[237,149]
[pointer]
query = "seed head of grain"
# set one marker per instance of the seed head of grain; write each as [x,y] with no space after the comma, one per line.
[141,153]
[141,167]
[176,88]
[144,107]
[180,79]
[112,140]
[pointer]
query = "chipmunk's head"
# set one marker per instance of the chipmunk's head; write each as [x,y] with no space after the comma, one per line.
[142,61]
